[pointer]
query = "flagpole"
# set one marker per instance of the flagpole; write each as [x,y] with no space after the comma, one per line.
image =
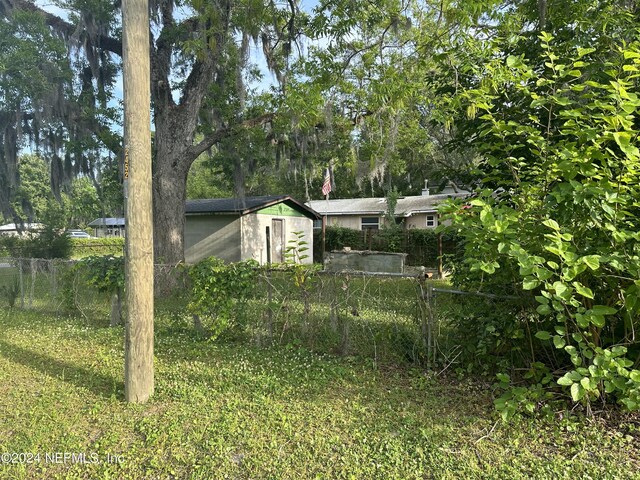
[324,217]
[324,229]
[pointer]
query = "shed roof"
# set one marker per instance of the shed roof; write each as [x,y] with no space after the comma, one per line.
[107,222]
[243,206]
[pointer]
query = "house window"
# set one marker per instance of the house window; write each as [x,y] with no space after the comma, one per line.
[370,223]
[317,224]
[431,221]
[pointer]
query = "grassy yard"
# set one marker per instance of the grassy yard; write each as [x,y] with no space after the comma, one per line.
[233,411]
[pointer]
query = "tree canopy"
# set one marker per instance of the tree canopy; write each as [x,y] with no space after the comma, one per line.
[199,64]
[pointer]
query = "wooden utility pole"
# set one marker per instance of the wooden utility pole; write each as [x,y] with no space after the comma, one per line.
[138,360]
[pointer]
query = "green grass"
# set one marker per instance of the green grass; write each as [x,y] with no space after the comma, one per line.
[234,411]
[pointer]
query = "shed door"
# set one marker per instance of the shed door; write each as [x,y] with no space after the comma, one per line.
[277,240]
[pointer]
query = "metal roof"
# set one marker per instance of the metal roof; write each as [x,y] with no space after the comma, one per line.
[10,227]
[350,206]
[405,207]
[107,222]
[243,206]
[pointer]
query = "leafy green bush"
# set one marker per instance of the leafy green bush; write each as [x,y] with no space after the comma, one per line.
[337,238]
[564,233]
[103,273]
[219,293]
[106,273]
[50,242]
[85,247]
[489,335]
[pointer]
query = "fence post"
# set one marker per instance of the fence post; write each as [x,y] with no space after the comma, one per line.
[430,342]
[427,320]
[344,347]
[54,277]
[333,304]
[33,281]
[270,305]
[344,319]
[21,283]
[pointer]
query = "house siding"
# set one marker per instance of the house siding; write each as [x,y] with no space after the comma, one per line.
[350,221]
[212,235]
[419,220]
[254,238]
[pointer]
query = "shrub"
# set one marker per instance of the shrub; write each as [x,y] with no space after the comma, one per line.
[219,293]
[85,247]
[50,242]
[564,232]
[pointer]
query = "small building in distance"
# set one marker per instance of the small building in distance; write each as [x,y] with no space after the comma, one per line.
[418,211]
[237,229]
[108,227]
[12,229]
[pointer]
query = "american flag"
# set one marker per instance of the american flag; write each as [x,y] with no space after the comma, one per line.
[326,186]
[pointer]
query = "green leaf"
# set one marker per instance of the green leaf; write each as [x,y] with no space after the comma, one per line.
[582,290]
[598,320]
[624,141]
[603,310]
[530,283]
[489,267]
[558,341]
[586,383]
[501,225]
[543,335]
[551,224]
[560,288]
[486,217]
[513,61]
[585,51]
[577,392]
[565,381]
[543,309]
[592,261]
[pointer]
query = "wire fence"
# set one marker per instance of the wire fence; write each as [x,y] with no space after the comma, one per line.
[388,319]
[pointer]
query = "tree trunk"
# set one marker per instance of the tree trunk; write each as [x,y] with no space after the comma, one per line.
[175,127]
[169,196]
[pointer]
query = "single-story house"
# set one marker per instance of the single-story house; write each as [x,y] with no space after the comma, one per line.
[12,229]
[108,227]
[419,211]
[236,229]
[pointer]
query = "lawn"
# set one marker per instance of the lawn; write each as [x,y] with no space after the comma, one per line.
[224,410]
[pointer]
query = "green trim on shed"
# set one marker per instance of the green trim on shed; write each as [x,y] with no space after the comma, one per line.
[281,210]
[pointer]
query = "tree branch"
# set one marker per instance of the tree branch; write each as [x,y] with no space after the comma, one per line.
[161,58]
[224,132]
